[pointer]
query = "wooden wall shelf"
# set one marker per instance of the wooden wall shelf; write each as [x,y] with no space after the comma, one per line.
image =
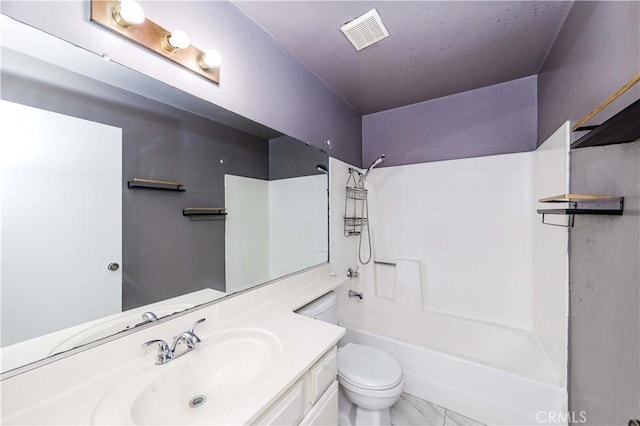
[574,199]
[621,128]
[566,198]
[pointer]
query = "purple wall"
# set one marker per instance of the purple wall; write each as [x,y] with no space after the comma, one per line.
[596,52]
[260,80]
[497,119]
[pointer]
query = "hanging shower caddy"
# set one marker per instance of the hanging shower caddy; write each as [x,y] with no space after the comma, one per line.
[355,205]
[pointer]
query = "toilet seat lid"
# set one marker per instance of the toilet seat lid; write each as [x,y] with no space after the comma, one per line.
[368,367]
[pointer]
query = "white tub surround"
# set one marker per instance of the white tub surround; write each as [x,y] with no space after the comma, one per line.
[551,250]
[343,251]
[469,280]
[70,391]
[273,228]
[486,392]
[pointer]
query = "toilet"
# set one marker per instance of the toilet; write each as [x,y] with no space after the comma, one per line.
[370,379]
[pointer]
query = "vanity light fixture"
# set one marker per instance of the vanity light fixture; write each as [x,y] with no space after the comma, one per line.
[127,13]
[127,18]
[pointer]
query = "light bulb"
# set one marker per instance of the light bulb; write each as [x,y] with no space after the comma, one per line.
[211,59]
[178,39]
[128,12]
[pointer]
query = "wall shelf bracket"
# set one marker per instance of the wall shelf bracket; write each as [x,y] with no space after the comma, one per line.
[574,209]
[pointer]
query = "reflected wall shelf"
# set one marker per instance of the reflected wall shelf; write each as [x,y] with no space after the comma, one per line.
[163,185]
[574,199]
[204,211]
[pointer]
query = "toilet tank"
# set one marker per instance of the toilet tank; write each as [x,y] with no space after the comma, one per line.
[324,308]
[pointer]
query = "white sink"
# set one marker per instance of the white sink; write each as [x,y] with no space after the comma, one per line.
[218,373]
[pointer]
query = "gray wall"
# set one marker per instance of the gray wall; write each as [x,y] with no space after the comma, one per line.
[604,269]
[596,52]
[289,158]
[260,80]
[493,120]
[164,253]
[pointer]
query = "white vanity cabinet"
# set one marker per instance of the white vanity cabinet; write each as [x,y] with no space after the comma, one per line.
[312,400]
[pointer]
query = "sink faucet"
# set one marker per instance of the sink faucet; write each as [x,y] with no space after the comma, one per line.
[149,317]
[166,353]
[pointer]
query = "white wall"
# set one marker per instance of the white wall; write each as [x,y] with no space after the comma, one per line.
[298,227]
[467,223]
[246,232]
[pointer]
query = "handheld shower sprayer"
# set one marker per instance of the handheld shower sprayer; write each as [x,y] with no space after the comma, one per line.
[363,176]
[365,211]
[322,168]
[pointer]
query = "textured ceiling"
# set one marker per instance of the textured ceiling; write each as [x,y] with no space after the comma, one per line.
[436,48]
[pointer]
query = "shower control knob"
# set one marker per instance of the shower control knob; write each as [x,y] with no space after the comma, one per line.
[113,266]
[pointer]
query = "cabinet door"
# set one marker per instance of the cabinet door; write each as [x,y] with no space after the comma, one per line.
[288,409]
[321,375]
[325,412]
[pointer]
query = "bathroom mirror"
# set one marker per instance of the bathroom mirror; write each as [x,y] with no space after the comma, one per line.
[122,196]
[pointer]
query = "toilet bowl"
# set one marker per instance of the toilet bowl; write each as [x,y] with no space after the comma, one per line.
[372,380]
[369,378]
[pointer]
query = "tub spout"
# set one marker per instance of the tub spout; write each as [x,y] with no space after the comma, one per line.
[355,294]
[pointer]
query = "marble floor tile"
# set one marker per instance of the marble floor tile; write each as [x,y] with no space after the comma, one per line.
[455,419]
[412,411]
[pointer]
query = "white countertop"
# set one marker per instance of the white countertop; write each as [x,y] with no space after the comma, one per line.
[69,390]
[41,347]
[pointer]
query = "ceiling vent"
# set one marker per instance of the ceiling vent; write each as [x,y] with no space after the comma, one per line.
[365,30]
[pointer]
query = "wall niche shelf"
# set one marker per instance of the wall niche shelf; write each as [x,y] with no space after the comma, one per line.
[574,209]
[163,185]
[204,211]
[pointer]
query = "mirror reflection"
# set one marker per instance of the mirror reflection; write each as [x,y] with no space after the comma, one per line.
[118,209]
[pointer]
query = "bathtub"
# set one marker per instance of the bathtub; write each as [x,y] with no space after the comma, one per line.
[495,374]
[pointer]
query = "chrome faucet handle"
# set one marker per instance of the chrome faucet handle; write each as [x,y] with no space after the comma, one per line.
[189,337]
[192,341]
[164,352]
[195,324]
[353,272]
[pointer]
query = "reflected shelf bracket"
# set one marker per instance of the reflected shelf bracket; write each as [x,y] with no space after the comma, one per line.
[204,211]
[163,185]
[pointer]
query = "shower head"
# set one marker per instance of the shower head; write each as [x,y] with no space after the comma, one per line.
[375,163]
[322,168]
